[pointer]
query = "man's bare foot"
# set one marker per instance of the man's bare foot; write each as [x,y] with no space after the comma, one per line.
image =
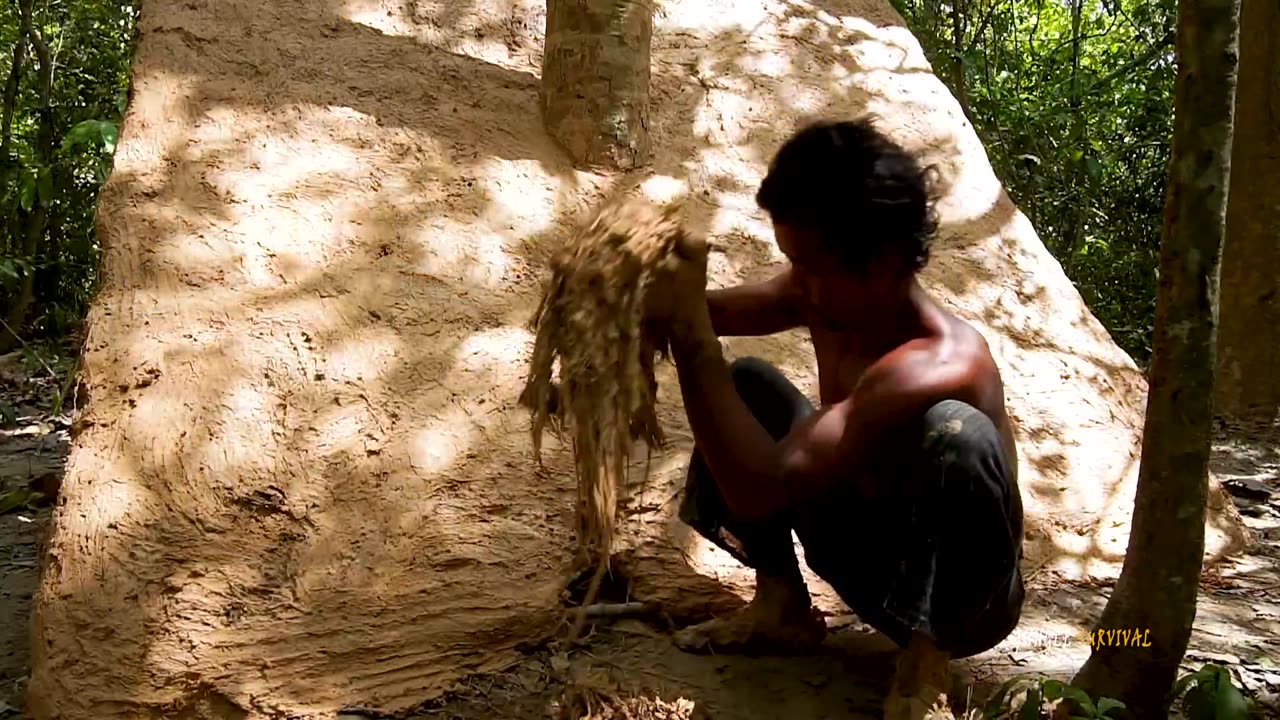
[779,619]
[923,677]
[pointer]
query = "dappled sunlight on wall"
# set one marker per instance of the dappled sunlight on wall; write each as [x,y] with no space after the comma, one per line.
[302,483]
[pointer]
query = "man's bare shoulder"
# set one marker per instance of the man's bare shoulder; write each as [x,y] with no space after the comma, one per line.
[954,361]
[963,343]
[968,370]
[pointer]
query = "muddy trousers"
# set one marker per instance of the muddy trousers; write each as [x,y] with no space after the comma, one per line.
[938,552]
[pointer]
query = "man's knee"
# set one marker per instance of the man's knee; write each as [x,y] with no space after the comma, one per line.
[768,394]
[965,454]
[957,431]
[751,370]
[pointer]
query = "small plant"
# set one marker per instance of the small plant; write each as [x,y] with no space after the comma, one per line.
[20,499]
[1042,694]
[1209,694]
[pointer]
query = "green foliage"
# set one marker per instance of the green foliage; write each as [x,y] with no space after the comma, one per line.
[1076,116]
[1043,693]
[1209,694]
[20,499]
[58,159]
[99,133]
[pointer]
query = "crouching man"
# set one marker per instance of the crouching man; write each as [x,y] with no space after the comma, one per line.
[902,487]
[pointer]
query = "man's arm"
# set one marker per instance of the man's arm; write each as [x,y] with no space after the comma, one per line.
[754,309]
[758,476]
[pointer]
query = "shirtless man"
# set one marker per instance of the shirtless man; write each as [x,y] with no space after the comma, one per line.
[902,487]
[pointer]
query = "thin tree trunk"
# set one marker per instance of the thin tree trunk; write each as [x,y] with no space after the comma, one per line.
[1248,387]
[36,220]
[595,80]
[957,57]
[1075,222]
[1156,591]
[17,67]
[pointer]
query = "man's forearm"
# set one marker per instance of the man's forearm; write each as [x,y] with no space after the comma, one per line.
[724,313]
[741,454]
[752,310]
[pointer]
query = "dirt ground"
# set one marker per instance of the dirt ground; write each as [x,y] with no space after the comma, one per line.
[637,666]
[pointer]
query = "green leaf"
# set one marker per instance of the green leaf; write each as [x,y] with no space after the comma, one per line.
[1106,705]
[110,134]
[122,101]
[1093,167]
[1198,703]
[8,414]
[17,500]
[1229,703]
[1052,689]
[27,192]
[996,702]
[100,133]
[82,133]
[1031,708]
[44,185]
[1214,675]
[1081,698]
[1180,687]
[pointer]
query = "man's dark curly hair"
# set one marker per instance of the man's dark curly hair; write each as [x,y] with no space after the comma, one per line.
[863,193]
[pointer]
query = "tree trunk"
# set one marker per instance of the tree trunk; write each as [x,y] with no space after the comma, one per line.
[1156,591]
[957,57]
[11,93]
[595,80]
[1074,232]
[11,87]
[1248,388]
[35,226]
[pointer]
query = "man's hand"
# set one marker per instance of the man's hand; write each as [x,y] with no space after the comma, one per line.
[678,297]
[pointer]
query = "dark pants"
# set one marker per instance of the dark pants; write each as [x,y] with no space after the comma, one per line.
[938,552]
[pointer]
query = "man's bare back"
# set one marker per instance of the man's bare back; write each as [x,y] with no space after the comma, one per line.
[843,355]
[842,363]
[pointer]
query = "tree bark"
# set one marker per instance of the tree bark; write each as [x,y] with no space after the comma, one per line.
[34,230]
[1156,591]
[1248,387]
[1074,231]
[11,93]
[957,59]
[11,87]
[595,80]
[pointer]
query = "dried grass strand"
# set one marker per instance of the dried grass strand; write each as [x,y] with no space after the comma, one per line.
[590,320]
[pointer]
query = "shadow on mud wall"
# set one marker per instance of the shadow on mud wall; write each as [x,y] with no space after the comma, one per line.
[328,467]
[187,538]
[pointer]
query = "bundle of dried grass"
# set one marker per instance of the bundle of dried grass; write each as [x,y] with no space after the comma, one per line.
[591,318]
